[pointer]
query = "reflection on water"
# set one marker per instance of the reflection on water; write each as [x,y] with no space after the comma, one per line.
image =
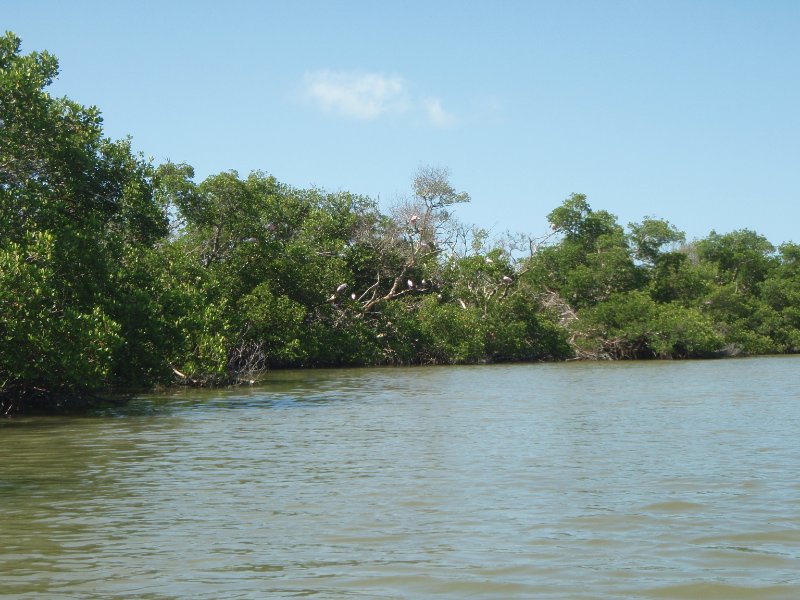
[622,480]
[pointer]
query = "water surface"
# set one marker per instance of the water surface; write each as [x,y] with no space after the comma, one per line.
[569,481]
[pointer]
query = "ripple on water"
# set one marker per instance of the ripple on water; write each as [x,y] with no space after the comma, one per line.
[573,481]
[722,591]
[674,507]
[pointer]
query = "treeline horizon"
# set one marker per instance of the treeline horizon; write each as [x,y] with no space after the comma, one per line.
[117,274]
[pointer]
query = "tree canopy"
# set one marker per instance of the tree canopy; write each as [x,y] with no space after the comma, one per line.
[117,274]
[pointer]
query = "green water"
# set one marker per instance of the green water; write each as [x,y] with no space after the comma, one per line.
[569,481]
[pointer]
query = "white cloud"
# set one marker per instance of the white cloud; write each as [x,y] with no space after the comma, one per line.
[368,96]
[364,96]
[437,115]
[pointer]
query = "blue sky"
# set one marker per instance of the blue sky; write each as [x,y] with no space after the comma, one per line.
[688,111]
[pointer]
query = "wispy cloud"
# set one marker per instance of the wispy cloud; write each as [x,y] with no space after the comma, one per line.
[437,115]
[363,96]
[369,96]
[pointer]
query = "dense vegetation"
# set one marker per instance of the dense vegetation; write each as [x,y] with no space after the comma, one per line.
[116,274]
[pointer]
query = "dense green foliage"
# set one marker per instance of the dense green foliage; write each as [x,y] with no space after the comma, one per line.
[116,274]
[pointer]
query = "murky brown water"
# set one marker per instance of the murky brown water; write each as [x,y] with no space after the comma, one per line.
[569,481]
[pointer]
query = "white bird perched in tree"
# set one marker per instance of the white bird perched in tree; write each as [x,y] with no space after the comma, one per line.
[342,287]
[413,220]
[507,280]
[488,260]
[410,284]
[353,296]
